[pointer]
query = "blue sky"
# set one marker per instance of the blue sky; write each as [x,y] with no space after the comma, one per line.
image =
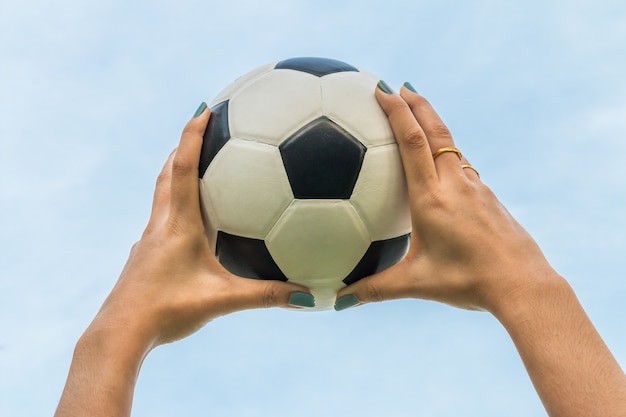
[93,96]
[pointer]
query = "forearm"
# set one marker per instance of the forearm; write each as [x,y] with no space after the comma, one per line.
[571,368]
[103,374]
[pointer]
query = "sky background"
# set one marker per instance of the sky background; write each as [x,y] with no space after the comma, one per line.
[93,96]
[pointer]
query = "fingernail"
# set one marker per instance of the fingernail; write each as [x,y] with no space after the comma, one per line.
[410,87]
[200,110]
[346,301]
[301,299]
[384,87]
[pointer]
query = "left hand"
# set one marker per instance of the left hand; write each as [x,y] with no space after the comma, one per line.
[172,283]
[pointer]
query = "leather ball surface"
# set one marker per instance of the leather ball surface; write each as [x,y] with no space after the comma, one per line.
[301,179]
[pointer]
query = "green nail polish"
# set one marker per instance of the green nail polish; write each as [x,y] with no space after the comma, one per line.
[410,87]
[301,299]
[200,110]
[384,87]
[346,301]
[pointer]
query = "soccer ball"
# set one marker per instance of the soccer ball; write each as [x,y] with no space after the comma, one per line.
[301,179]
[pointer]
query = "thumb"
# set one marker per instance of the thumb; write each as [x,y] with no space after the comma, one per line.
[390,284]
[273,293]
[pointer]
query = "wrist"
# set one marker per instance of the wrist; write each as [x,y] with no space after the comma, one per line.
[115,349]
[103,373]
[116,353]
[572,369]
[106,336]
[530,298]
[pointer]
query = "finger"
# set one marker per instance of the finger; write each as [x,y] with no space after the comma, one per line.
[382,286]
[185,193]
[412,142]
[436,131]
[252,293]
[161,199]
[470,172]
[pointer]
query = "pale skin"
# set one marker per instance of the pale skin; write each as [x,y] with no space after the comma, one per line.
[466,251]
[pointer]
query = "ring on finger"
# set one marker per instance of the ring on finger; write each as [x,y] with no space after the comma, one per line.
[447,149]
[472,168]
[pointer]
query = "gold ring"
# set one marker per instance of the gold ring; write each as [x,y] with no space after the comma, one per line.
[472,168]
[448,149]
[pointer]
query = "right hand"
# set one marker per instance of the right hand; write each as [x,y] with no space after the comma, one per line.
[466,248]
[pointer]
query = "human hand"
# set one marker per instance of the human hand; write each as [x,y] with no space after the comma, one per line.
[466,249]
[172,283]
[171,286]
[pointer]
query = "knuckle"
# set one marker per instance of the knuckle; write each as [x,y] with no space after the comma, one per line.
[434,203]
[440,130]
[163,178]
[190,233]
[180,166]
[176,227]
[414,139]
[270,296]
[134,249]
[465,189]
[373,293]
[394,106]
[194,127]
[414,101]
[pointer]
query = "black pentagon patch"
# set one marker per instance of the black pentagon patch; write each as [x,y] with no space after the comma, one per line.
[215,137]
[322,160]
[315,66]
[379,256]
[246,257]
